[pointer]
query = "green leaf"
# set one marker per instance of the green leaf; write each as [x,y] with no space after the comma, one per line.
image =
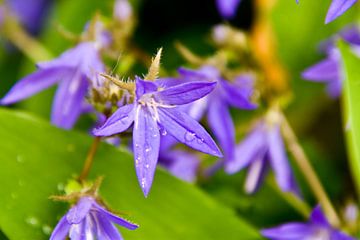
[37,159]
[351,109]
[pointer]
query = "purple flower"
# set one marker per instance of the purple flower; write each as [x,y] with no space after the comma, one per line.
[179,163]
[31,13]
[261,149]
[227,8]
[155,108]
[329,70]
[73,71]
[216,105]
[317,228]
[337,8]
[88,220]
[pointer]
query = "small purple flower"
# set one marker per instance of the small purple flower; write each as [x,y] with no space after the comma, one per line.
[261,149]
[329,70]
[237,93]
[338,8]
[318,228]
[227,8]
[122,10]
[155,108]
[88,220]
[179,163]
[73,71]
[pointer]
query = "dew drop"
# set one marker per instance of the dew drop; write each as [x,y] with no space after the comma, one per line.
[200,140]
[33,221]
[189,136]
[147,166]
[19,159]
[46,229]
[137,161]
[163,132]
[143,182]
[147,149]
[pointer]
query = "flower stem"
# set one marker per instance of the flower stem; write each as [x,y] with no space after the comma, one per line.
[310,175]
[89,159]
[13,31]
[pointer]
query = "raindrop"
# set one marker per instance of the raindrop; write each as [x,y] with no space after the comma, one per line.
[19,159]
[148,149]
[14,195]
[46,229]
[200,140]
[163,132]
[147,166]
[189,136]
[143,182]
[137,161]
[33,221]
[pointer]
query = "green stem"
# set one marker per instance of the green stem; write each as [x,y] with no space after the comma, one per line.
[310,175]
[89,159]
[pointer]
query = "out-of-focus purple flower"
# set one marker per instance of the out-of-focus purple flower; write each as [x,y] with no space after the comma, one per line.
[261,149]
[155,108]
[317,228]
[88,220]
[237,93]
[227,8]
[329,70]
[179,163]
[73,71]
[337,8]
[122,10]
[31,13]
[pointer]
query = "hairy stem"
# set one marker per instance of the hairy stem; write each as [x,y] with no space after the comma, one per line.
[89,159]
[312,179]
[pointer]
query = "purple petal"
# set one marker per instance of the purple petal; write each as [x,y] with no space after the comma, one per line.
[78,231]
[289,231]
[68,102]
[337,235]
[77,213]
[146,144]
[115,219]
[143,87]
[279,161]
[181,164]
[252,148]
[337,8]
[188,131]
[61,229]
[334,88]
[255,175]
[227,8]
[34,83]
[206,73]
[239,92]
[222,126]
[184,93]
[106,229]
[197,109]
[324,71]
[317,217]
[118,122]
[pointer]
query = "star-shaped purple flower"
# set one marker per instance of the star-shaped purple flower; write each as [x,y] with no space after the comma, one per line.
[88,220]
[338,8]
[329,70]
[261,149]
[317,228]
[237,93]
[73,71]
[156,108]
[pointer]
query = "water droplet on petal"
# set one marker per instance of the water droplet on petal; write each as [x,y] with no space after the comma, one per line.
[189,136]
[163,132]
[147,149]
[143,182]
[137,161]
[147,166]
[200,140]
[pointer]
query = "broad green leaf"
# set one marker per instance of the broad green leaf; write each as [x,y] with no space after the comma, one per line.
[37,159]
[351,108]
